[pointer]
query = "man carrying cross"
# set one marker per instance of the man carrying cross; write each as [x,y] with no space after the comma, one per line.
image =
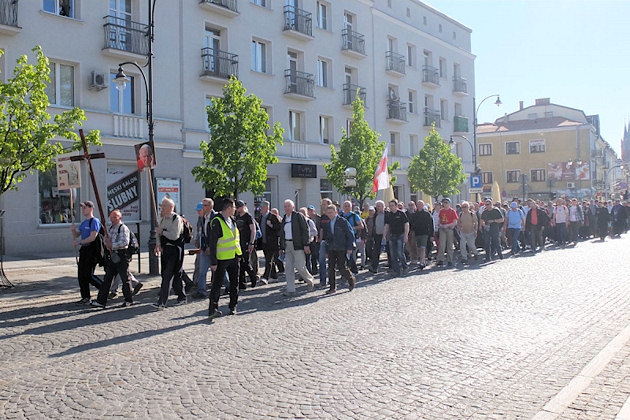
[86,236]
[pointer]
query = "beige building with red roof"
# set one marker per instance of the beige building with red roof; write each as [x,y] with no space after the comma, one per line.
[545,150]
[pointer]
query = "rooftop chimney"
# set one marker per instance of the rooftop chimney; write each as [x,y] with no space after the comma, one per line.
[542,101]
[520,105]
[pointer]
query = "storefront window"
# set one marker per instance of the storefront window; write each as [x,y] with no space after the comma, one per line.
[54,205]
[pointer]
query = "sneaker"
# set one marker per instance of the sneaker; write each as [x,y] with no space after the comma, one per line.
[330,291]
[254,281]
[422,266]
[112,295]
[232,311]
[136,289]
[83,301]
[440,263]
[158,306]
[126,304]
[264,280]
[182,301]
[95,304]
[215,314]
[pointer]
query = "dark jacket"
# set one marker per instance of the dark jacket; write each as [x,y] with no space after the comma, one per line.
[299,229]
[272,233]
[543,219]
[342,239]
[421,222]
[205,233]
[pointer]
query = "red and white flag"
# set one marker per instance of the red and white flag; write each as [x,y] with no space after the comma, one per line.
[381,177]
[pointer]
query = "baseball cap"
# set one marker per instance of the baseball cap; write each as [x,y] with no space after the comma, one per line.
[311,207]
[264,203]
[513,204]
[199,206]
[240,203]
[446,200]
[87,204]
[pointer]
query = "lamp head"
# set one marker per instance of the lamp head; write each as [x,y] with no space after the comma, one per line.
[121,79]
[498,101]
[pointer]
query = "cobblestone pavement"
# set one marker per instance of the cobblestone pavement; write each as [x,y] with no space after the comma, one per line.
[498,340]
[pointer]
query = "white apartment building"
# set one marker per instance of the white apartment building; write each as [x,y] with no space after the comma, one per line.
[305,59]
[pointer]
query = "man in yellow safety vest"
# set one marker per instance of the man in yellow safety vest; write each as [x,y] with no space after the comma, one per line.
[224,252]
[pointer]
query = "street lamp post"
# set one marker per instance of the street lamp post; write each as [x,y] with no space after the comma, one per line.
[497,103]
[121,81]
[472,148]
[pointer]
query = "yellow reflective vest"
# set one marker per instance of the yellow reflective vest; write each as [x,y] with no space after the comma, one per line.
[228,245]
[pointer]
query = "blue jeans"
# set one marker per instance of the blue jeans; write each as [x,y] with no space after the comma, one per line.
[204,266]
[561,233]
[492,242]
[515,232]
[322,263]
[397,249]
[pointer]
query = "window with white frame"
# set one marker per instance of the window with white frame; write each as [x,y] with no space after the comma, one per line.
[512,148]
[325,125]
[60,7]
[323,72]
[442,63]
[393,144]
[411,55]
[261,3]
[444,109]
[122,101]
[414,145]
[485,149]
[259,56]
[486,177]
[60,90]
[538,175]
[412,102]
[322,15]
[513,177]
[295,125]
[54,205]
[267,194]
[325,189]
[206,108]
[537,146]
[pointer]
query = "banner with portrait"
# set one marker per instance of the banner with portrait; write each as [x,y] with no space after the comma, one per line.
[145,156]
[569,171]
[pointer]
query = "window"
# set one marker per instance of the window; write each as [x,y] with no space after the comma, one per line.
[513,176]
[424,20]
[512,148]
[411,55]
[122,101]
[60,7]
[261,3]
[408,12]
[60,91]
[259,56]
[295,126]
[485,149]
[54,205]
[444,109]
[454,35]
[440,28]
[486,177]
[393,144]
[325,188]
[537,146]
[208,105]
[442,68]
[538,175]
[322,15]
[414,145]
[323,73]
[412,102]
[324,129]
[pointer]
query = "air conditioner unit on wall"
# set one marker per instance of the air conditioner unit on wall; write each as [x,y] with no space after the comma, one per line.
[570,184]
[98,81]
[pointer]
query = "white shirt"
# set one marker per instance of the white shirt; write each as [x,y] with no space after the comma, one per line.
[288,233]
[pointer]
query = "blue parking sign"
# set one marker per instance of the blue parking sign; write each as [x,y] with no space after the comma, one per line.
[475,184]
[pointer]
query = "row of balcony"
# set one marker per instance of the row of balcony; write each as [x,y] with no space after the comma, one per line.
[9,13]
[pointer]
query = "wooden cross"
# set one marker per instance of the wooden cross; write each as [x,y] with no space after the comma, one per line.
[89,156]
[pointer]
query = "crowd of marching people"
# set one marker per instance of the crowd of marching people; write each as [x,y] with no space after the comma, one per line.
[316,246]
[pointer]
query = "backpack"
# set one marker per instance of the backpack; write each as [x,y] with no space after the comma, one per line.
[100,252]
[364,231]
[133,247]
[187,233]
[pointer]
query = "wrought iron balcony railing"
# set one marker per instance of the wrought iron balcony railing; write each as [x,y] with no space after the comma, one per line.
[430,75]
[298,20]
[395,62]
[353,41]
[299,83]
[460,85]
[228,4]
[350,93]
[396,110]
[431,116]
[126,35]
[9,12]
[219,63]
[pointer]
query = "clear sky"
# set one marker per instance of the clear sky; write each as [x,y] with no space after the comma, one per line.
[575,52]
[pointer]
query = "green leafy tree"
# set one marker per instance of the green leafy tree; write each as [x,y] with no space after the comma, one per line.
[26,128]
[436,170]
[235,158]
[360,150]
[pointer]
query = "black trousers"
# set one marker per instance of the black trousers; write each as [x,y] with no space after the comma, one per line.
[337,260]
[311,260]
[112,270]
[86,276]
[245,266]
[271,256]
[171,265]
[231,268]
[376,251]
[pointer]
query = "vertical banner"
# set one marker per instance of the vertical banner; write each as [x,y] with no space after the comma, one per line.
[169,188]
[68,172]
[123,192]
